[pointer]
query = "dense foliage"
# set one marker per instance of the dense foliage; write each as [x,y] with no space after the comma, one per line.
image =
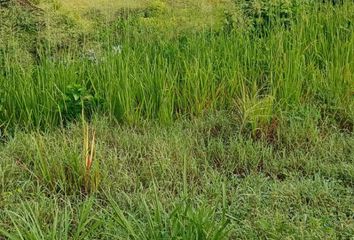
[177,120]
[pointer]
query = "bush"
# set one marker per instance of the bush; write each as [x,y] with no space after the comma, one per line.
[77,100]
[4,3]
[263,15]
[155,8]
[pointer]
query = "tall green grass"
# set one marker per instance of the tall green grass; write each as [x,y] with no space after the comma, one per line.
[309,62]
[264,156]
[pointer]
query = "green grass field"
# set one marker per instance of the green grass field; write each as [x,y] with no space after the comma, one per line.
[177,120]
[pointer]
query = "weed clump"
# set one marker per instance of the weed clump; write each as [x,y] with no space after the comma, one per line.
[77,100]
[264,15]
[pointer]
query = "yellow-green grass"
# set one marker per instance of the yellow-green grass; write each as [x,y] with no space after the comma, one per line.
[196,179]
[171,14]
[160,125]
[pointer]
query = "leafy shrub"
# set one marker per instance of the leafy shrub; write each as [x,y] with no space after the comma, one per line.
[262,15]
[230,21]
[77,100]
[155,8]
[4,2]
[19,33]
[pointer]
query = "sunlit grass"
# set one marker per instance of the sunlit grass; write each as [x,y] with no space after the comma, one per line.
[104,5]
[176,120]
[163,78]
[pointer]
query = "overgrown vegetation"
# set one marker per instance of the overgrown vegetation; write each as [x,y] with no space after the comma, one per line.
[149,120]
